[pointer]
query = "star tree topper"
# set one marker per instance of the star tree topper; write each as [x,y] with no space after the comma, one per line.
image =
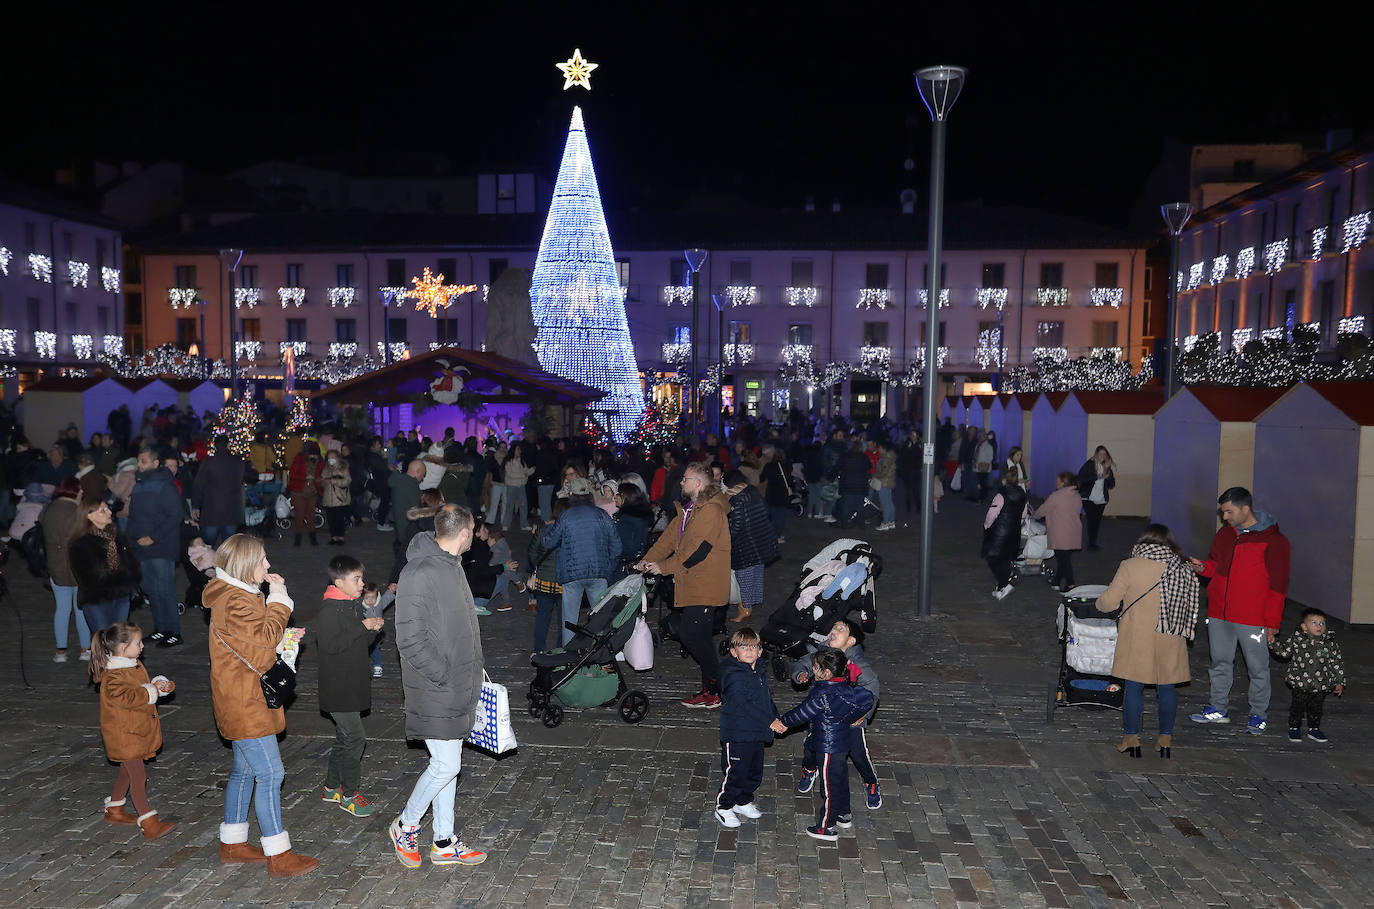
[577,71]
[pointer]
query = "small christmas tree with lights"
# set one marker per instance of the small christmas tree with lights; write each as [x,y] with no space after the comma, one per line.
[575,294]
[239,421]
[595,434]
[299,419]
[652,428]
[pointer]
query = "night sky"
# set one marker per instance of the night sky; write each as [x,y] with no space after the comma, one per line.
[731,105]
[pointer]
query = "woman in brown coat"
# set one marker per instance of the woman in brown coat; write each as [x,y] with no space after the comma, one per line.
[1158,596]
[59,520]
[695,550]
[245,628]
[1060,512]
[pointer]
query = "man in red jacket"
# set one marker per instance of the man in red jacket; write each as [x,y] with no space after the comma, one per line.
[1248,568]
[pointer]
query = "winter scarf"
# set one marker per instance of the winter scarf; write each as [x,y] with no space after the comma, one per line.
[111,546]
[1178,594]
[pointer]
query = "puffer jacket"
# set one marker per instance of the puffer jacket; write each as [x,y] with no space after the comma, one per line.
[860,671]
[1002,538]
[1249,573]
[587,543]
[517,472]
[129,723]
[753,541]
[747,707]
[439,642]
[336,480]
[253,626]
[58,520]
[156,509]
[697,555]
[830,708]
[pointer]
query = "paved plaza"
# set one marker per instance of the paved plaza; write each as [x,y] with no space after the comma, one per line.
[984,802]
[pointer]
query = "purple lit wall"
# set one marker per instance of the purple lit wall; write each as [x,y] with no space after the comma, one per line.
[503,417]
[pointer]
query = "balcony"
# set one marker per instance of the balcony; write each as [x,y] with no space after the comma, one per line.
[1275,256]
[291,295]
[677,353]
[247,350]
[992,296]
[1106,296]
[741,353]
[1354,231]
[343,296]
[343,350]
[399,350]
[1051,296]
[874,298]
[1245,262]
[181,297]
[78,273]
[800,296]
[795,354]
[5,257]
[741,294]
[297,348]
[247,296]
[110,279]
[40,268]
[45,344]
[677,294]
[7,338]
[944,298]
[83,346]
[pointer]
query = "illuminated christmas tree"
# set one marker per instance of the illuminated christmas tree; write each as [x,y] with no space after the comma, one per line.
[575,294]
[652,429]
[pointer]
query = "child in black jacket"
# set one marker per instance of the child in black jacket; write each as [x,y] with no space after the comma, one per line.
[746,710]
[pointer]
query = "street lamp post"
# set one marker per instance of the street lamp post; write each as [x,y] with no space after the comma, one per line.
[695,259]
[230,259]
[939,87]
[720,300]
[1176,215]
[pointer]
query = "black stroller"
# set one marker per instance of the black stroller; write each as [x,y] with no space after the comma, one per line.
[836,583]
[585,672]
[1087,649]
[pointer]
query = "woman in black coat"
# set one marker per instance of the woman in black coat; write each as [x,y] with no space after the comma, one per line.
[753,541]
[1096,479]
[1002,535]
[105,570]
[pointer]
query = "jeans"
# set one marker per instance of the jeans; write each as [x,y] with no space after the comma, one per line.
[346,759]
[375,651]
[545,501]
[498,498]
[66,605]
[159,583]
[517,502]
[889,508]
[100,616]
[850,510]
[214,534]
[698,624]
[1222,638]
[572,602]
[436,788]
[1093,511]
[777,514]
[1133,704]
[256,761]
[546,606]
[815,504]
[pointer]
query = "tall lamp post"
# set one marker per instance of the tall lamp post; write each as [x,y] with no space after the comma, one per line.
[721,300]
[939,87]
[1176,215]
[230,259]
[695,259]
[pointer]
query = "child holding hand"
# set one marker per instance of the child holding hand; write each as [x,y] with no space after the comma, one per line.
[1315,669]
[375,602]
[129,723]
[746,711]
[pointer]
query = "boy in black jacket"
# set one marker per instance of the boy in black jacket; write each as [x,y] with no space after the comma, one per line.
[746,710]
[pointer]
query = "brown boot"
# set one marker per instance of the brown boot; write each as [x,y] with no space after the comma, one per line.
[290,864]
[742,615]
[240,853]
[116,813]
[153,826]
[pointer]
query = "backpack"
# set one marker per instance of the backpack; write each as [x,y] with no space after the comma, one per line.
[35,548]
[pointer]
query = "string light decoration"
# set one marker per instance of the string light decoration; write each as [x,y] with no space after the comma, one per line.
[1220,265]
[781,397]
[992,296]
[944,298]
[1245,262]
[678,352]
[1106,296]
[742,294]
[431,294]
[1102,372]
[1275,256]
[1110,353]
[1189,341]
[871,355]
[5,257]
[112,345]
[391,294]
[1351,325]
[343,296]
[7,338]
[486,289]
[1354,230]
[78,273]
[594,434]
[800,296]
[919,360]
[82,346]
[1194,276]
[575,294]
[873,298]
[652,428]
[1273,334]
[399,350]
[1050,353]
[793,354]
[741,353]
[677,294]
[109,279]
[1179,284]
[181,297]
[247,296]
[1318,242]
[297,348]
[1051,296]
[990,352]
[40,268]
[294,295]
[298,419]
[247,350]
[238,420]
[45,344]
[1241,336]
[342,350]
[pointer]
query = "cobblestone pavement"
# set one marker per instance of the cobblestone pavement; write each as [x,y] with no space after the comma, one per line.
[985,803]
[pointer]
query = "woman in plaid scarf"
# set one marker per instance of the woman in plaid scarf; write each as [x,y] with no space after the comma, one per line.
[1157,595]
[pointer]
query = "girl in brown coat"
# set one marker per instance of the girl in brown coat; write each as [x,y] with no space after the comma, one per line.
[1158,594]
[695,550]
[128,722]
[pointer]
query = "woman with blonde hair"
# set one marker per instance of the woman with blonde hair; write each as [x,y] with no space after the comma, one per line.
[1096,480]
[245,628]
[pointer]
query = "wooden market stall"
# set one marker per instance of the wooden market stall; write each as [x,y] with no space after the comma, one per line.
[55,403]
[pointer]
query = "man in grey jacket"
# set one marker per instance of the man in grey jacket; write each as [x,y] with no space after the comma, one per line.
[441,673]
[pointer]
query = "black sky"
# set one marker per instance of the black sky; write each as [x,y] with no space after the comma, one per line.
[757,105]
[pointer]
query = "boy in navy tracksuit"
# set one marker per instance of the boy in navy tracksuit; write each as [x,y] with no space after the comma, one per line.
[746,711]
[833,704]
[846,635]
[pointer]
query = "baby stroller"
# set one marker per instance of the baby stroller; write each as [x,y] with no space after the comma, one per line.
[1035,549]
[285,511]
[1087,647]
[836,582]
[585,672]
[259,505]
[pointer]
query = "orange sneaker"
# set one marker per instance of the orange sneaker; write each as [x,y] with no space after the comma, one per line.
[406,840]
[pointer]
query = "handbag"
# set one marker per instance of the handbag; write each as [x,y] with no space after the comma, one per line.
[957,483]
[283,507]
[982,467]
[639,649]
[278,682]
[875,483]
[491,729]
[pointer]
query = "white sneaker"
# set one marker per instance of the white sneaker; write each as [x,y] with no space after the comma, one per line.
[1002,592]
[376,672]
[749,811]
[727,818]
[830,519]
[60,656]
[86,655]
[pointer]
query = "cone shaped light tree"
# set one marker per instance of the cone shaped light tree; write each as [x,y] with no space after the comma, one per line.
[575,295]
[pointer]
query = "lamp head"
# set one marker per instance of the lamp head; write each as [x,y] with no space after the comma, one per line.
[939,87]
[695,259]
[1176,215]
[230,258]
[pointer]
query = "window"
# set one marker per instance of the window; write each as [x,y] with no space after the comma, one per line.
[679,275]
[346,330]
[343,276]
[295,330]
[988,327]
[799,333]
[994,274]
[133,308]
[875,333]
[446,331]
[448,268]
[940,340]
[740,331]
[495,268]
[250,329]
[741,272]
[1290,308]
[99,254]
[1052,275]
[35,307]
[398,331]
[186,333]
[681,333]
[1333,206]
[1263,229]
[925,275]
[294,279]
[803,271]
[1293,216]
[1050,334]
[184,276]
[30,236]
[875,274]
[1226,320]
[68,245]
[1149,278]
[1256,314]
[396,273]
[1326,300]
[102,321]
[1242,169]
[622,272]
[1106,274]
[248,277]
[1105,334]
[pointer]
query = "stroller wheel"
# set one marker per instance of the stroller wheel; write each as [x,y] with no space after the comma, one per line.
[537,702]
[553,715]
[181,609]
[283,523]
[634,706]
